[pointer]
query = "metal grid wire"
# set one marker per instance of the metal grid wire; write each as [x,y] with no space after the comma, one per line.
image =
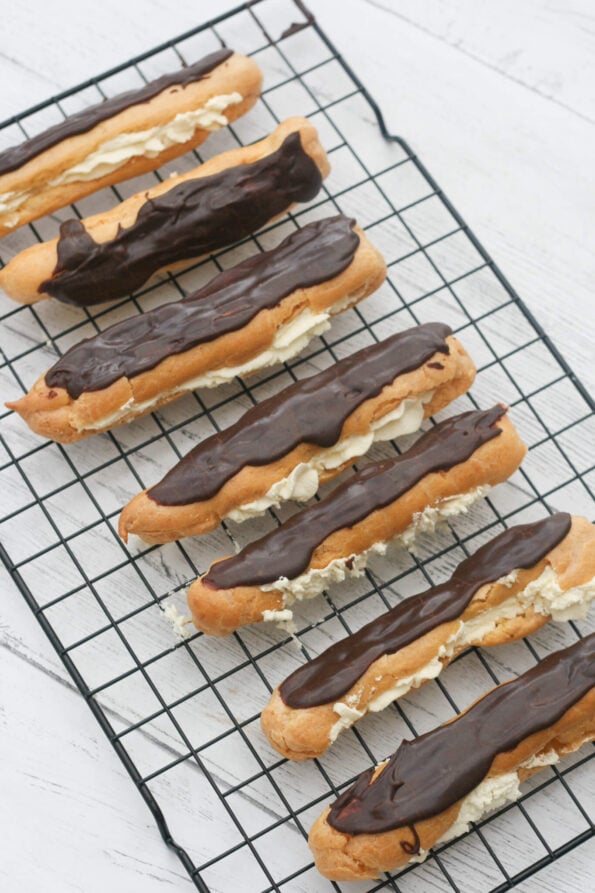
[183,715]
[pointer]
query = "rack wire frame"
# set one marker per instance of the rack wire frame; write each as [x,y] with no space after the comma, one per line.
[377,590]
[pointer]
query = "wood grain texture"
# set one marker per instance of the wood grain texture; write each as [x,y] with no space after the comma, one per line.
[72,821]
[499,101]
[556,62]
[515,162]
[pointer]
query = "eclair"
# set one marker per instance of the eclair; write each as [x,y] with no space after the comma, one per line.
[109,255]
[263,311]
[124,136]
[288,445]
[433,787]
[509,588]
[442,474]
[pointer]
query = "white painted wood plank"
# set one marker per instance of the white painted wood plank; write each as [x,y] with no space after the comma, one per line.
[516,165]
[575,867]
[549,48]
[54,49]
[71,820]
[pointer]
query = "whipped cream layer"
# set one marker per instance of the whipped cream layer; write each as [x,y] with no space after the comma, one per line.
[434,516]
[493,793]
[304,480]
[114,153]
[315,580]
[543,596]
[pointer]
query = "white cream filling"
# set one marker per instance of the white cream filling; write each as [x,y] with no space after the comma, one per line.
[347,717]
[544,595]
[11,202]
[304,480]
[491,794]
[283,619]
[177,621]
[434,516]
[430,671]
[288,341]
[278,616]
[315,580]
[148,143]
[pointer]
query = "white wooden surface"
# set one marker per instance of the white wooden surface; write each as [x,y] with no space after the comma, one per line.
[499,101]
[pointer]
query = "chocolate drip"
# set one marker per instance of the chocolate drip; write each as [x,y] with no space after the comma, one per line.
[334,672]
[286,551]
[310,411]
[314,254]
[195,217]
[412,849]
[85,120]
[430,774]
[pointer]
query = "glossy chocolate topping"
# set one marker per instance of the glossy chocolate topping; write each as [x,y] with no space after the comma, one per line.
[309,256]
[334,672]
[191,219]
[287,550]
[85,120]
[310,411]
[428,775]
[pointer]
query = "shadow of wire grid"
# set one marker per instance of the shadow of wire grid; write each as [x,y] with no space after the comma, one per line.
[183,715]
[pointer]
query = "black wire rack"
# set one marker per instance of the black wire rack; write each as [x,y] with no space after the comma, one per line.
[183,714]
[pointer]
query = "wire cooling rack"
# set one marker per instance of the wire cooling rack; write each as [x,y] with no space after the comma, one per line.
[183,715]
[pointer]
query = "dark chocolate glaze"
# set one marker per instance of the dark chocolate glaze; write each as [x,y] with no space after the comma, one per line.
[85,120]
[286,551]
[309,256]
[330,675]
[310,411]
[430,774]
[191,219]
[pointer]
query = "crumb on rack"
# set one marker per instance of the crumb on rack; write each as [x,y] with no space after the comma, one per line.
[178,621]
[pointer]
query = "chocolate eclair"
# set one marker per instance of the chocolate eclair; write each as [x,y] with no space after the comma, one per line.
[510,587]
[261,312]
[442,474]
[288,445]
[124,136]
[109,255]
[433,787]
